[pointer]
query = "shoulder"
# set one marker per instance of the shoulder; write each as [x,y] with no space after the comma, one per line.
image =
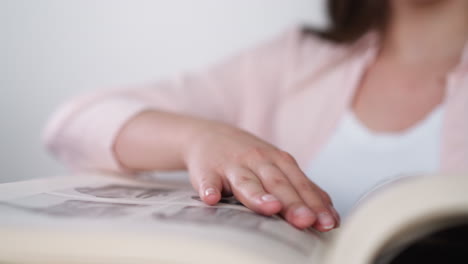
[308,49]
[298,42]
[308,56]
[300,53]
[294,49]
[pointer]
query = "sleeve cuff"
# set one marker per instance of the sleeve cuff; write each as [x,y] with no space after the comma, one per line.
[86,140]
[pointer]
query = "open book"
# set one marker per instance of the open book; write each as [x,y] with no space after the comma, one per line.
[114,219]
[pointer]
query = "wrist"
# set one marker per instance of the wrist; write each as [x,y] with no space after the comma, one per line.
[198,133]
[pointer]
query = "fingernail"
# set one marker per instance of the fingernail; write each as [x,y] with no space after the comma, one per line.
[326,221]
[303,212]
[337,215]
[210,191]
[268,198]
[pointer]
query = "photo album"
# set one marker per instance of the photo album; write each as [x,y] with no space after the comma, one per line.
[104,218]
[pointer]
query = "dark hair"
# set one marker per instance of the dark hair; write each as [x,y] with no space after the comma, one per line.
[351,19]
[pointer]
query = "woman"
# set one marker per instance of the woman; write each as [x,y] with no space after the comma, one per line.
[383,92]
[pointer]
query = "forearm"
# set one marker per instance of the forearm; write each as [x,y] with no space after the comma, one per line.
[155,140]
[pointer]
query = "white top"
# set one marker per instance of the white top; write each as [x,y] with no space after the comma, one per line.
[357,159]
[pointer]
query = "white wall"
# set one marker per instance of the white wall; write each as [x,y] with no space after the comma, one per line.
[53,49]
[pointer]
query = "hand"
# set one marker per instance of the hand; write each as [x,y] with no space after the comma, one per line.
[223,160]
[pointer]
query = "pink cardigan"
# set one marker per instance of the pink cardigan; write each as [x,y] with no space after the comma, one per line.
[290,91]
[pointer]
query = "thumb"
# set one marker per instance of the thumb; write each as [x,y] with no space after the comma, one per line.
[208,185]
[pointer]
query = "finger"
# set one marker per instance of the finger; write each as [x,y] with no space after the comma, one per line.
[248,189]
[227,191]
[315,198]
[208,185]
[337,216]
[331,207]
[325,197]
[294,209]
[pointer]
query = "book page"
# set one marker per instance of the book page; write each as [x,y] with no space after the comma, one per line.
[397,213]
[149,211]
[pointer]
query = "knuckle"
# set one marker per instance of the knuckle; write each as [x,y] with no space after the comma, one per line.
[253,153]
[285,156]
[241,180]
[305,186]
[277,181]
[326,197]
